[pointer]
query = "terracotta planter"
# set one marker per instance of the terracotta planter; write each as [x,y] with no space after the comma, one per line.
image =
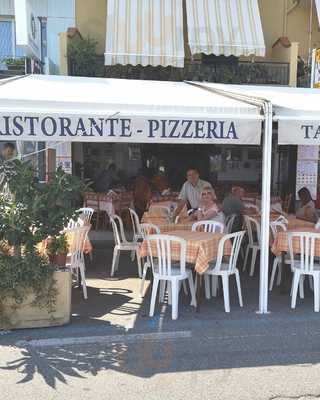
[26,315]
[60,259]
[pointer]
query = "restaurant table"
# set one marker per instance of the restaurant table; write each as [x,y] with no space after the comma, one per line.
[165,226]
[280,247]
[202,249]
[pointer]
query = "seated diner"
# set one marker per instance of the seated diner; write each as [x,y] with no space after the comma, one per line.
[208,207]
[307,210]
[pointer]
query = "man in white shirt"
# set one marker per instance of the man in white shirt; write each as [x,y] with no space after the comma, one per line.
[191,190]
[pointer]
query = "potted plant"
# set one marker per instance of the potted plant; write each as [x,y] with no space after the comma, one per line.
[33,292]
[15,63]
[58,250]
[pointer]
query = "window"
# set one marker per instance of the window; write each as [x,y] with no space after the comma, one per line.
[8,48]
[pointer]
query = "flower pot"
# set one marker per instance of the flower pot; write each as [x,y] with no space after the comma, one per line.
[60,259]
[26,315]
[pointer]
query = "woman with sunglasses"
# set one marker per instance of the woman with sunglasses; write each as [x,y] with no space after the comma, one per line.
[208,207]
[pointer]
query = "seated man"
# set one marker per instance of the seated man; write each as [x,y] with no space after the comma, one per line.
[191,191]
[233,204]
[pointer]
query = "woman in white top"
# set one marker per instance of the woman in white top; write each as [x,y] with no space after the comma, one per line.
[307,210]
[208,207]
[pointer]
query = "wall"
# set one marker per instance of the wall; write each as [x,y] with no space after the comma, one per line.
[6,7]
[91,21]
[295,25]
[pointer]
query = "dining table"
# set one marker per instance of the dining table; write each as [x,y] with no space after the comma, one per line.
[202,249]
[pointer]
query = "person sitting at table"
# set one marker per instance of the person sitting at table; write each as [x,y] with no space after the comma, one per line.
[141,195]
[191,191]
[208,207]
[307,210]
[233,204]
[105,179]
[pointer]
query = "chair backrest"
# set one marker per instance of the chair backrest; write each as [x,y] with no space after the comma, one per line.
[76,239]
[277,226]
[86,214]
[149,229]
[167,250]
[135,222]
[252,226]
[160,210]
[230,222]
[306,242]
[118,231]
[208,226]
[72,224]
[317,225]
[91,200]
[252,206]
[282,219]
[236,239]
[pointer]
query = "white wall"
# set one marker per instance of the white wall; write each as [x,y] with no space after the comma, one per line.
[6,7]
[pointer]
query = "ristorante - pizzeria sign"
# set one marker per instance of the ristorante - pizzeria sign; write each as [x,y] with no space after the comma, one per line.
[137,129]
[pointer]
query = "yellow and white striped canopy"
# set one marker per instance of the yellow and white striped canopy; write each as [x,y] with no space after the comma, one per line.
[146,32]
[228,27]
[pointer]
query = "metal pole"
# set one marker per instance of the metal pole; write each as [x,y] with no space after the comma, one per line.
[265,208]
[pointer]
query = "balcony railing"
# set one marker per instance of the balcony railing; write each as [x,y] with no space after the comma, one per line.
[259,73]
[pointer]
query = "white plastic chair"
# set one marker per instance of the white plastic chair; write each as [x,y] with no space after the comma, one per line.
[225,269]
[76,253]
[164,209]
[122,244]
[166,270]
[146,230]
[75,224]
[304,264]
[208,226]
[251,226]
[135,225]
[230,222]
[282,220]
[254,207]
[277,226]
[86,214]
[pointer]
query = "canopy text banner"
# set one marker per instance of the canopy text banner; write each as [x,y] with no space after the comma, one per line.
[137,129]
[299,132]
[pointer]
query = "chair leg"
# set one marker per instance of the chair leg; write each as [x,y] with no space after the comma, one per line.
[296,279]
[115,261]
[185,289]
[301,287]
[169,293]
[153,295]
[316,287]
[239,288]
[225,285]
[253,260]
[279,274]
[207,285]
[310,282]
[145,269]
[163,285]
[139,263]
[246,259]
[175,298]
[83,280]
[215,285]
[192,291]
[274,270]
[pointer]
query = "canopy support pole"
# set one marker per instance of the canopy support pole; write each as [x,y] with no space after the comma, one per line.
[265,208]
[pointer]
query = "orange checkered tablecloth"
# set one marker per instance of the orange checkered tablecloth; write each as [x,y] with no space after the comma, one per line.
[202,248]
[164,225]
[280,243]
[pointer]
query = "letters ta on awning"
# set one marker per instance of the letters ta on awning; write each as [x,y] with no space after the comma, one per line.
[145,32]
[224,27]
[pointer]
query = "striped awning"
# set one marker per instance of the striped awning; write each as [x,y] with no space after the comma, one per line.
[225,27]
[146,32]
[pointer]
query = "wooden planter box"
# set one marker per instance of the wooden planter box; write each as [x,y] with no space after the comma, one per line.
[27,316]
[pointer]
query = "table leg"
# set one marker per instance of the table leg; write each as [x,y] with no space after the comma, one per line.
[199,293]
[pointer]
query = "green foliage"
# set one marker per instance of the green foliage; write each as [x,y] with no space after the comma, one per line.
[18,62]
[83,58]
[29,213]
[58,245]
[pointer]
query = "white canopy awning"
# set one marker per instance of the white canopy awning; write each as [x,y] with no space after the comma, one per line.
[297,110]
[64,108]
[144,32]
[230,27]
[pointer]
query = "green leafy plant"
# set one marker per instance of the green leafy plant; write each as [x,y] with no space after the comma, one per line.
[83,58]
[18,62]
[30,212]
[58,245]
